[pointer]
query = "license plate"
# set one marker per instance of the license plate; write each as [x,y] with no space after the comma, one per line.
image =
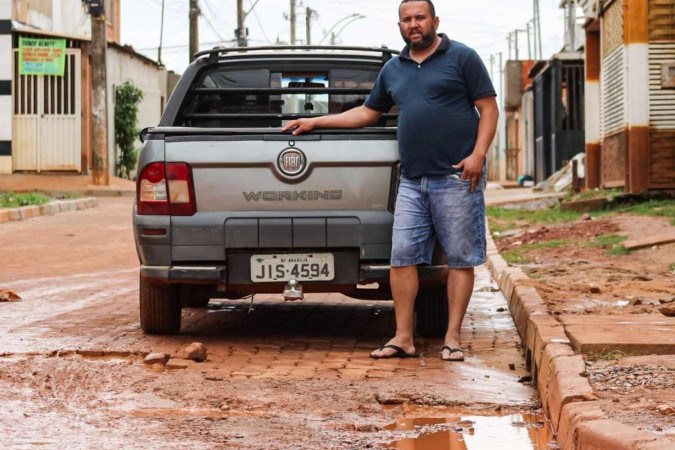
[301,267]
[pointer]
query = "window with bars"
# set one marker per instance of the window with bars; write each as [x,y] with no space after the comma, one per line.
[49,95]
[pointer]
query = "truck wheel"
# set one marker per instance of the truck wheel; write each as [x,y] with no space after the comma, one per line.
[431,312]
[160,308]
[192,298]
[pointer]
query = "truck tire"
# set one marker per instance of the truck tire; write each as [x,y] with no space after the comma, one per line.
[431,312]
[160,308]
[191,297]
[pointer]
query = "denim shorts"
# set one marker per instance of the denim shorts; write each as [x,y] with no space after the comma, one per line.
[440,207]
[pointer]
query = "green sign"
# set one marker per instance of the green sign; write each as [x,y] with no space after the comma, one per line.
[42,56]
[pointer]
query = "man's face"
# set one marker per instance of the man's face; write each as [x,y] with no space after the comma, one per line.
[418,28]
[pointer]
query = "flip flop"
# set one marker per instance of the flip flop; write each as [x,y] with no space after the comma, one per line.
[400,353]
[452,350]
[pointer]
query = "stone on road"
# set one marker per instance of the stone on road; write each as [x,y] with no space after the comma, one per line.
[278,376]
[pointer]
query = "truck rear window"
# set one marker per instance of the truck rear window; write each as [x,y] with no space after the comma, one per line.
[264,98]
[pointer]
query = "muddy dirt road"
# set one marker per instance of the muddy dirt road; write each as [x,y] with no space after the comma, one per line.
[277,376]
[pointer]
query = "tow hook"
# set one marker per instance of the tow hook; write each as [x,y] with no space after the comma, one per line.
[293,291]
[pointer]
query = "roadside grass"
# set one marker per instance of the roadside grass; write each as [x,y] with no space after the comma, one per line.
[613,243]
[593,194]
[16,200]
[654,208]
[503,219]
[520,254]
[614,355]
[672,268]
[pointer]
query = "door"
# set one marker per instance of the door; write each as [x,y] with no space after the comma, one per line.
[47,119]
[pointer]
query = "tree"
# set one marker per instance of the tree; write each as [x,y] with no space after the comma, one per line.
[127,98]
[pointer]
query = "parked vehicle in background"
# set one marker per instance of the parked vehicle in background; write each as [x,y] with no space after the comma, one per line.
[229,206]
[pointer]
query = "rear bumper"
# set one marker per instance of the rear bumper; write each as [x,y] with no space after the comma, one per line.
[368,273]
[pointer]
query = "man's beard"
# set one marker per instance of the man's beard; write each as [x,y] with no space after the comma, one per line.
[424,43]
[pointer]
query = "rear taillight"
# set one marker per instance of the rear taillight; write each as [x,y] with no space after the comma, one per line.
[166,189]
[181,189]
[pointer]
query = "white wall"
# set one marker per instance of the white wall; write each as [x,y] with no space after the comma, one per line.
[6,62]
[67,17]
[148,78]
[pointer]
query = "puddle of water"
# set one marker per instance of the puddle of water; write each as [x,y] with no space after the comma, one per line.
[466,432]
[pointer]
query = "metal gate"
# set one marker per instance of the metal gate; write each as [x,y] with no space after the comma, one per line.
[47,132]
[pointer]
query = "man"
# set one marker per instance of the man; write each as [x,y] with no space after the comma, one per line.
[447,120]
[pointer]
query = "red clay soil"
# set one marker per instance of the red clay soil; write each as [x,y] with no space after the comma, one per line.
[580,278]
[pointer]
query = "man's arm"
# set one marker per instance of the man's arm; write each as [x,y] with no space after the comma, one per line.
[472,166]
[354,118]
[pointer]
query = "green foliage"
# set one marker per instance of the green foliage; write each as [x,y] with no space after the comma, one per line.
[550,215]
[519,255]
[594,193]
[14,200]
[502,219]
[127,97]
[658,208]
[608,240]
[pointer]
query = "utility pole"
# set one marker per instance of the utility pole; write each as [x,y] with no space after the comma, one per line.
[308,26]
[293,22]
[99,45]
[509,39]
[529,42]
[571,23]
[194,28]
[241,29]
[537,28]
[161,37]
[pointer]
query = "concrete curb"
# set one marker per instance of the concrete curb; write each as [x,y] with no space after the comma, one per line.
[566,394]
[48,209]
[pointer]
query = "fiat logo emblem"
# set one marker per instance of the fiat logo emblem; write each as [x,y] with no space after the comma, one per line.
[291,162]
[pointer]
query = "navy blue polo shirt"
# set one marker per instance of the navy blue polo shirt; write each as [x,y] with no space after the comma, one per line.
[438,122]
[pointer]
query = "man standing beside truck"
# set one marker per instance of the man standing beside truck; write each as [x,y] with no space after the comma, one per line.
[447,120]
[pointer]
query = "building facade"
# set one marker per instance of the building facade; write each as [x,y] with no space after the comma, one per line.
[47,119]
[630,93]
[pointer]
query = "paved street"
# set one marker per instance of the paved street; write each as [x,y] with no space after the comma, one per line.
[77,274]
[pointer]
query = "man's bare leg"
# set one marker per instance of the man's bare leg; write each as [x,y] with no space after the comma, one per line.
[460,287]
[404,284]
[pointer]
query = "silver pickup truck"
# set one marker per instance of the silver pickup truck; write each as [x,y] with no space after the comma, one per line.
[229,206]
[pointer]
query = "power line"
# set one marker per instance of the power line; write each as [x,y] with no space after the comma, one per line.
[257,19]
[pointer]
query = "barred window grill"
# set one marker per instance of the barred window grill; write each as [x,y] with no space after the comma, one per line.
[58,93]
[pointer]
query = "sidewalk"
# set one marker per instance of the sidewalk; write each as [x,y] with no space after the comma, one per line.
[555,347]
[58,183]
[520,196]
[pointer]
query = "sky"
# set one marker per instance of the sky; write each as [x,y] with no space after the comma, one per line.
[481,24]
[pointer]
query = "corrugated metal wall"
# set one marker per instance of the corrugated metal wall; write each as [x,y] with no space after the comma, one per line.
[661,100]
[612,97]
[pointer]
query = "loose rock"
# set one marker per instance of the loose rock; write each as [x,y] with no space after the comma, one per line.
[156,358]
[668,311]
[585,216]
[594,289]
[195,351]
[8,295]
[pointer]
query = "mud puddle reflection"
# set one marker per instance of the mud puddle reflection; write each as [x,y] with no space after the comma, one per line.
[456,431]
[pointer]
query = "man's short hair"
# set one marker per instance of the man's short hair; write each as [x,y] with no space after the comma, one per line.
[432,8]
